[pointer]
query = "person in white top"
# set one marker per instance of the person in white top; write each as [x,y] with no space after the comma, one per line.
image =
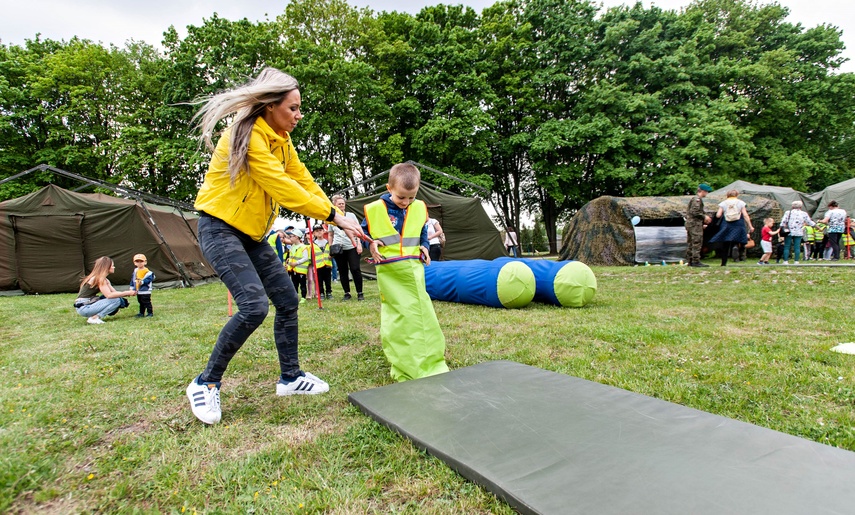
[435,236]
[794,221]
[511,242]
[346,255]
[835,217]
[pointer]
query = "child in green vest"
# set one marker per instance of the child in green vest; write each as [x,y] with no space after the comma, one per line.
[298,262]
[409,330]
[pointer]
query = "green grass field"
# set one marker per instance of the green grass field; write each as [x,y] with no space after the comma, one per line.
[94,418]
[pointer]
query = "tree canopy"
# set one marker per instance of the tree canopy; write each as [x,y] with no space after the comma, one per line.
[546,103]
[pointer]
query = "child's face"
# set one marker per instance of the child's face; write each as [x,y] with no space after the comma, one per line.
[139,263]
[401,196]
[769,223]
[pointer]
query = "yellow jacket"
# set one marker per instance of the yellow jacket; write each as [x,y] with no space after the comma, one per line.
[276,178]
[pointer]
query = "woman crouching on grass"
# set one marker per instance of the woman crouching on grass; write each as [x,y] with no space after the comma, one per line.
[88,304]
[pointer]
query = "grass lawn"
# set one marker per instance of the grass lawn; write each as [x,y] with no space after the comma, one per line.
[94,418]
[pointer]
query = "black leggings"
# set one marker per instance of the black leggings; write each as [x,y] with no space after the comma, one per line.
[834,239]
[252,272]
[348,260]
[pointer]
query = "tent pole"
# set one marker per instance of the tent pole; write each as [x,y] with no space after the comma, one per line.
[178,264]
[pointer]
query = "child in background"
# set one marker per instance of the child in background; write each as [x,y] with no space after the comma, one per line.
[141,282]
[779,250]
[409,330]
[766,234]
[323,263]
[298,262]
[820,240]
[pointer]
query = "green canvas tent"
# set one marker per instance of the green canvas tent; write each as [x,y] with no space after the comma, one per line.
[842,192]
[784,196]
[50,239]
[601,232]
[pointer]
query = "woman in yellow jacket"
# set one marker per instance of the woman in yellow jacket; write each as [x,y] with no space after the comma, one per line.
[253,171]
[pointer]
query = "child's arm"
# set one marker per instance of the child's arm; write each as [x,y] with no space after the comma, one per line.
[147,280]
[776,231]
[372,248]
[425,255]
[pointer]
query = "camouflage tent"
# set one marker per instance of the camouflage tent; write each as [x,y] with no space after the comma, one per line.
[601,232]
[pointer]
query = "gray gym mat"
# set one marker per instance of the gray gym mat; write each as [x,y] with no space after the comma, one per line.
[551,443]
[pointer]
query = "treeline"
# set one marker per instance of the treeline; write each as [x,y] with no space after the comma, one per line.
[548,103]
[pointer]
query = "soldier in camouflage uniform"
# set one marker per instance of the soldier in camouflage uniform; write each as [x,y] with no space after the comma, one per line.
[696,220]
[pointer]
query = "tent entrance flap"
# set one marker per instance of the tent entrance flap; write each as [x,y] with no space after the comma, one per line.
[660,240]
[50,247]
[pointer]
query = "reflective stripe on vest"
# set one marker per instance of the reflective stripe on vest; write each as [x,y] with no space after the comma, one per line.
[405,244]
[322,256]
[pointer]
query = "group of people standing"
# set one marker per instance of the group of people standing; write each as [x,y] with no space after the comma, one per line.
[735,229]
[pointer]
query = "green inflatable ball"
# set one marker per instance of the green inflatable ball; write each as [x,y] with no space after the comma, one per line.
[515,285]
[575,284]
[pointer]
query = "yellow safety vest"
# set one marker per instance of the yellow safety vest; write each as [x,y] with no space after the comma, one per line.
[405,244]
[299,252]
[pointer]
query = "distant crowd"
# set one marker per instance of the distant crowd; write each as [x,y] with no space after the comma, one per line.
[796,238]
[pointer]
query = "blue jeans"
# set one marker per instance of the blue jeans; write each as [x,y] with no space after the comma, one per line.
[796,241]
[252,272]
[102,308]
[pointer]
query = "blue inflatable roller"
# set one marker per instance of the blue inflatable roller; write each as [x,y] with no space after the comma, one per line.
[505,284]
[562,283]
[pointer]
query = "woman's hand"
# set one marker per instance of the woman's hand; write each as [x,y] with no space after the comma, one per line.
[350,227]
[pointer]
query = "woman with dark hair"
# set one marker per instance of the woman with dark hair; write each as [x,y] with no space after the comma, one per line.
[835,217]
[732,230]
[89,304]
[253,171]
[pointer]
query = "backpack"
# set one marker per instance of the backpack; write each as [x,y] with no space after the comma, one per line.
[731,214]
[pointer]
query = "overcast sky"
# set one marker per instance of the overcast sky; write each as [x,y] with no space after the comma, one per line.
[116,21]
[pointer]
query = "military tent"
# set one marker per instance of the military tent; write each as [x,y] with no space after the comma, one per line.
[784,196]
[842,192]
[602,233]
[50,239]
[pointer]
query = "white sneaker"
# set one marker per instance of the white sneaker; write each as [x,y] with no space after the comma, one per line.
[795,262]
[786,262]
[306,384]
[205,401]
[94,320]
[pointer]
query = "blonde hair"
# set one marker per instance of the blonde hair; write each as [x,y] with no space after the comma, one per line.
[100,271]
[767,220]
[336,197]
[405,175]
[247,102]
[732,193]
